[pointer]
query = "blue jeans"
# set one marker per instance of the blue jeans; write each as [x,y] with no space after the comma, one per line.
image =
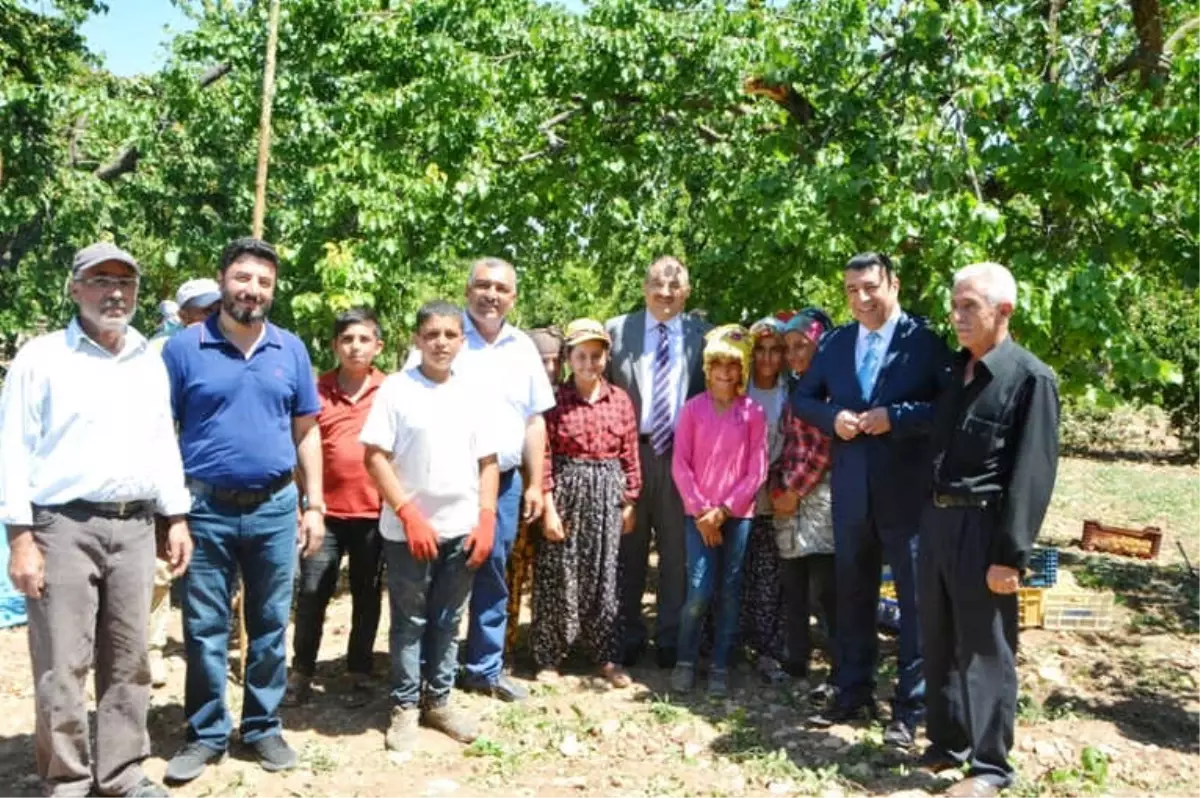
[705,567]
[427,602]
[489,594]
[261,543]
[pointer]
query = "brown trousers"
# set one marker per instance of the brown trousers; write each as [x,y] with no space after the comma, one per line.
[95,610]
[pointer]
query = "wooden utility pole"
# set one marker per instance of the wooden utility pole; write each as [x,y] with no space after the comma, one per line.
[260,212]
[264,124]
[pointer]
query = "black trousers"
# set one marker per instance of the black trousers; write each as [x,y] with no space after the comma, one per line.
[359,539]
[803,579]
[970,636]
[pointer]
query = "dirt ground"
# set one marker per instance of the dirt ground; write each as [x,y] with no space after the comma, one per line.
[1112,713]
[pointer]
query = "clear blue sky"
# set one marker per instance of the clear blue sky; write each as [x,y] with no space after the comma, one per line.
[131,38]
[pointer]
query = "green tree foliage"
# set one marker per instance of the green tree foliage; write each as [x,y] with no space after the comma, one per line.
[764,145]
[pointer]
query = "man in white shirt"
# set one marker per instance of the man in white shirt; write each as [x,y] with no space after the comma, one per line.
[504,362]
[87,456]
[657,358]
[429,453]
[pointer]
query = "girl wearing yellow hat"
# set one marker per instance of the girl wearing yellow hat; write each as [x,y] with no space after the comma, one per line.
[719,463]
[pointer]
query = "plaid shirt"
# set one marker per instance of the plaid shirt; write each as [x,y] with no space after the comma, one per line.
[605,430]
[805,455]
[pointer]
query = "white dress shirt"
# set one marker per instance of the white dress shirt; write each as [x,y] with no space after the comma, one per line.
[515,382]
[676,370]
[885,341]
[80,423]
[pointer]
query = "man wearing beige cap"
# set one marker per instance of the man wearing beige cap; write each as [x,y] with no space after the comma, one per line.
[87,456]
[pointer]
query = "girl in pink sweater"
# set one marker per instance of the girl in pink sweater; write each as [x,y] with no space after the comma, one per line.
[719,463]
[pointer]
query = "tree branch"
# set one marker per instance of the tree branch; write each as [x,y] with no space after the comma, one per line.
[1179,34]
[127,160]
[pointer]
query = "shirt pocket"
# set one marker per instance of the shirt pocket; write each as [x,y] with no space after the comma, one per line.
[983,439]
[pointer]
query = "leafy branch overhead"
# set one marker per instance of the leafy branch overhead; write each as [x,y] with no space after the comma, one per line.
[764,143]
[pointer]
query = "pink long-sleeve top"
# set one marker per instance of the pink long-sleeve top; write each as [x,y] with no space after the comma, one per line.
[720,458]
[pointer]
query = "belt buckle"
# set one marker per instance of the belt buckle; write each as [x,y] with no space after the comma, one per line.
[121,509]
[939,501]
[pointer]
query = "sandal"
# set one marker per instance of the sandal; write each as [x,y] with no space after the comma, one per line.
[615,675]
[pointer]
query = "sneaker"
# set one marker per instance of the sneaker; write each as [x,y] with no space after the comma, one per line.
[299,690]
[158,669]
[503,688]
[683,677]
[718,683]
[402,730]
[274,754]
[190,761]
[771,672]
[450,722]
[842,713]
[900,734]
[147,789]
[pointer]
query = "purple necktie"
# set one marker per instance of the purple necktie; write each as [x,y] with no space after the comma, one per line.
[660,409]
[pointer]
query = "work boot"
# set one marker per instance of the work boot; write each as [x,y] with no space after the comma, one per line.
[450,722]
[401,735]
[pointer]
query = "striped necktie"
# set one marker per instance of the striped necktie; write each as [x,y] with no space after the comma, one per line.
[660,408]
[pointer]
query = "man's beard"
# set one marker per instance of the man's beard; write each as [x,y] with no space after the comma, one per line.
[243,314]
[102,321]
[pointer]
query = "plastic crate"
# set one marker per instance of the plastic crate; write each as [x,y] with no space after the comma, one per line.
[887,614]
[887,590]
[1031,606]
[1043,568]
[1141,543]
[1079,611]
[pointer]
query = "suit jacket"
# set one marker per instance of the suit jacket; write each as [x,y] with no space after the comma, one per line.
[882,477]
[628,335]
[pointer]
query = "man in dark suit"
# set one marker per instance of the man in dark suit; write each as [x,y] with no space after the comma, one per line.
[871,388]
[657,357]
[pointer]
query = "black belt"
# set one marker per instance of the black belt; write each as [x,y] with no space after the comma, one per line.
[947,500]
[646,440]
[120,510]
[239,498]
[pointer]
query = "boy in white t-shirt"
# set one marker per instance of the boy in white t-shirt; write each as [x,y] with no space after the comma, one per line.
[431,457]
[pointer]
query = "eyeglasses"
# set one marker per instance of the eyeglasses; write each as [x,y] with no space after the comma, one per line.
[105,283]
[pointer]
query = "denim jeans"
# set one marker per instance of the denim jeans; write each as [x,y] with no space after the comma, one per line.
[705,568]
[427,600]
[489,594]
[359,540]
[261,543]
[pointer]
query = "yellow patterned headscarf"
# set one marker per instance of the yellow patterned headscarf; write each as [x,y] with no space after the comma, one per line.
[729,341]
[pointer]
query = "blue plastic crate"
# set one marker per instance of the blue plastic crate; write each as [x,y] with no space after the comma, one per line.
[1042,570]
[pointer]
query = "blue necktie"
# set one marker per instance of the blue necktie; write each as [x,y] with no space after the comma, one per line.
[867,371]
[660,408]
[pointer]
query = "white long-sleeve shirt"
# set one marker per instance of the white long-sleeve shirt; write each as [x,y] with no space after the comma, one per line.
[78,422]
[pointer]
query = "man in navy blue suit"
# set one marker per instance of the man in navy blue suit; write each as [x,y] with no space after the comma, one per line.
[871,387]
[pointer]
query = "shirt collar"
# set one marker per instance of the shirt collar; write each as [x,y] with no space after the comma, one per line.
[211,335]
[569,389]
[329,382]
[997,360]
[886,331]
[674,326]
[507,332]
[76,337]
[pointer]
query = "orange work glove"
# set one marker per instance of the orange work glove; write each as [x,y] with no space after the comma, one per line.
[422,539]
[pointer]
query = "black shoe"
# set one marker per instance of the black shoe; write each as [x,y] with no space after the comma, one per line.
[900,734]
[147,789]
[190,761]
[844,713]
[934,760]
[633,655]
[503,688]
[666,658]
[274,754]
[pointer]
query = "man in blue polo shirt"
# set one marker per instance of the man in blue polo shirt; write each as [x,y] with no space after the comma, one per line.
[246,402]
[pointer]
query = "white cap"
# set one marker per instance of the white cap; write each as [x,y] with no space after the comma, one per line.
[199,293]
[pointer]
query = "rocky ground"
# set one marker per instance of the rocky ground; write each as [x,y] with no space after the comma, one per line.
[1101,713]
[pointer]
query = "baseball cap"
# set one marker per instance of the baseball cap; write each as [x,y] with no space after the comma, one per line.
[199,293]
[582,330]
[101,252]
